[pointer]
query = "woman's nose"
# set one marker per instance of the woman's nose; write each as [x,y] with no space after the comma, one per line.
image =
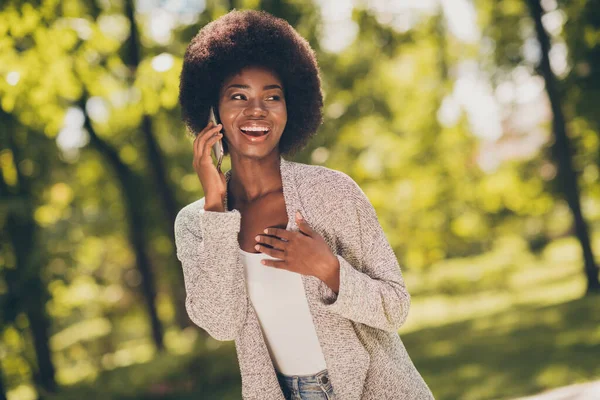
[255,107]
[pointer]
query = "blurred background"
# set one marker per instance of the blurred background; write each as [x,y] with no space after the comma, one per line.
[472,126]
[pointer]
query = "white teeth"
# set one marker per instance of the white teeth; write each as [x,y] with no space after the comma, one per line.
[256,128]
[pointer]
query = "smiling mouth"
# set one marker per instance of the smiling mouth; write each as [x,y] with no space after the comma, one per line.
[255,133]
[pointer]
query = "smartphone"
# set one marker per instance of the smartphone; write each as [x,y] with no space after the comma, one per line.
[217,148]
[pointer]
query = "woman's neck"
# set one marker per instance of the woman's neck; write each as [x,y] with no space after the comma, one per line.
[253,178]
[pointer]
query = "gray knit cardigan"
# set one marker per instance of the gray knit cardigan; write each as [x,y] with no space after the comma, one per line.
[357,328]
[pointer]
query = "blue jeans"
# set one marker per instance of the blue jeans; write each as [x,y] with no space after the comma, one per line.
[306,387]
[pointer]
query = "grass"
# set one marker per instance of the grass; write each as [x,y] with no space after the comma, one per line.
[504,324]
[516,352]
[210,371]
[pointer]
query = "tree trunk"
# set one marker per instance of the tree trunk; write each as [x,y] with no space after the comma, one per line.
[2,387]
[131,195]
[562,151]
[40,326]
[158,171]
[26,287]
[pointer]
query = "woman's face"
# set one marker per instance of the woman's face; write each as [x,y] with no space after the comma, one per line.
[251,101]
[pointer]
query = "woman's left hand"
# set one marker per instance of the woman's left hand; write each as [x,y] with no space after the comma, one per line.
[304,252]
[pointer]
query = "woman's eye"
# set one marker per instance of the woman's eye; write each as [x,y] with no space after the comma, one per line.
[275,97]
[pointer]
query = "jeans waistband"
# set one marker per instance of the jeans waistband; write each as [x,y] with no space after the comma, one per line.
[320,378]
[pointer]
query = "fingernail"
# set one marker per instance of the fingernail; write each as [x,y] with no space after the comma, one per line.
[298,215]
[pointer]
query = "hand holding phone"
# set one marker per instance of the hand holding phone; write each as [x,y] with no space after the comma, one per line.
[212,179]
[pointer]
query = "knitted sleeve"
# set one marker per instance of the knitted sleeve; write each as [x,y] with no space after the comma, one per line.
[207,247]
[373,294]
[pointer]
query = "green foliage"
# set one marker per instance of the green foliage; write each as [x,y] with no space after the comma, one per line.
[493,279]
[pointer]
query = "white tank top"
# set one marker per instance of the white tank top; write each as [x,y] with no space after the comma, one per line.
[280,303]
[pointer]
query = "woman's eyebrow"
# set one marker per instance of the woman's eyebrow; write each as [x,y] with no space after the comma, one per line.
[235,85]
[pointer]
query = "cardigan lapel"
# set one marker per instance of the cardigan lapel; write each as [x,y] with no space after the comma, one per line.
[346,358]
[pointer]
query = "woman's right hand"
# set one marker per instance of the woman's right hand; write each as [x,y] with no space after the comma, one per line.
[212,180]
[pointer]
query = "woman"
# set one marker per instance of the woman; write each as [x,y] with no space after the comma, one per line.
[287,259]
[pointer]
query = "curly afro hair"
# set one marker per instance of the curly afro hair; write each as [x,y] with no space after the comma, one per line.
[252,38]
